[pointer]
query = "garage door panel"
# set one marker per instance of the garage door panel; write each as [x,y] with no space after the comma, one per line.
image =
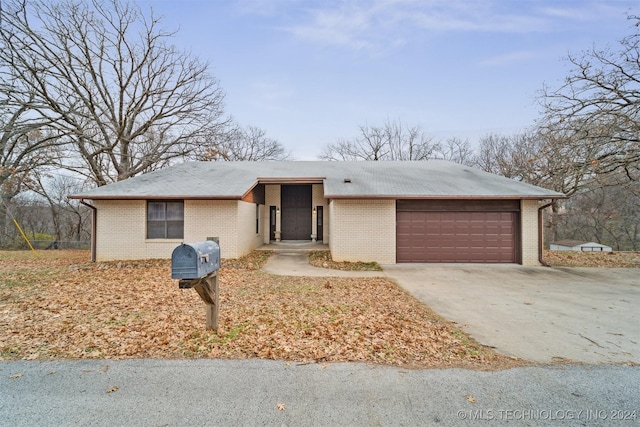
[456,237]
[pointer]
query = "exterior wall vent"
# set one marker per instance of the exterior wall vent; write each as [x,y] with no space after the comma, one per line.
[347,180]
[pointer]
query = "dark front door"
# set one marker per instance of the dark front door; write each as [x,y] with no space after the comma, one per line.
[295,220]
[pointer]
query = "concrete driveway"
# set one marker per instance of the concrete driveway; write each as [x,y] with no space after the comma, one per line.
[542,314]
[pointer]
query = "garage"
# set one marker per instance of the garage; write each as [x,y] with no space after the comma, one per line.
[457,231]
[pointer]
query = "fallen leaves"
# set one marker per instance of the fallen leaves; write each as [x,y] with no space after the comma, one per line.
[592,259]
[281,407]
[323,259]
[133,309]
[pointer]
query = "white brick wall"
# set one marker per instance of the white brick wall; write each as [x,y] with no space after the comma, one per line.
[247,238]
[121,231]
[212,218]
[356,230]
[529,231]
[363,230]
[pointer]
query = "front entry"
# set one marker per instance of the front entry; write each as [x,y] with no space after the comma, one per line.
[296,217]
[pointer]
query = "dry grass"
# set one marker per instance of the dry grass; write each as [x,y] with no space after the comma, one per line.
[60,306]
[323,259]
[592,259]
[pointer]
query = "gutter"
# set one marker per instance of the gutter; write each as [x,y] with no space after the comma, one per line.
[94,228]
[540,231]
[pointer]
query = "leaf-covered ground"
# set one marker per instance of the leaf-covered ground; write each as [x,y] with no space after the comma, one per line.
[61,306]
[323,259]
[592,259]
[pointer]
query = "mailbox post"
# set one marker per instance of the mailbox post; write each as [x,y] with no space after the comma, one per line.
[197,265]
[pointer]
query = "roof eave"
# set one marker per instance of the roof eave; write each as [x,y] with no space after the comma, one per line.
[152,197]
[443,197]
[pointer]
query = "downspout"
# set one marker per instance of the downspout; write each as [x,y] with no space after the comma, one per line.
[94,228]
[540,231]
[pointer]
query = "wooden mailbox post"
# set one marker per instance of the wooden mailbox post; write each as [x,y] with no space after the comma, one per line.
[208,289]
[197,265]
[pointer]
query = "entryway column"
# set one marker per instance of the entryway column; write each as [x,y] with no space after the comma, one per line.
[314,225]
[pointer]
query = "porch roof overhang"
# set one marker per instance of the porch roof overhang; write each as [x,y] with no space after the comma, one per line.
[290,180]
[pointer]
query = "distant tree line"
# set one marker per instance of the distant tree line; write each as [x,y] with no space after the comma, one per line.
[93,92]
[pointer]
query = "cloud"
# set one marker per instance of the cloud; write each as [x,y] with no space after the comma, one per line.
[589,11]
[377,26]
[347,27]
[508,59]
[262,7]
[383,24]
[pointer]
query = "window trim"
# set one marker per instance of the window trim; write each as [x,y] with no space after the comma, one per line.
[165,221]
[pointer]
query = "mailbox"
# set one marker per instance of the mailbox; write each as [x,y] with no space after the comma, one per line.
[195,260]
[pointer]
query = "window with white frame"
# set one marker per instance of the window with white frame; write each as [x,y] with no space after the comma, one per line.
[165,219]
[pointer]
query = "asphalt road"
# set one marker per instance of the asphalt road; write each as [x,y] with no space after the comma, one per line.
[274,393]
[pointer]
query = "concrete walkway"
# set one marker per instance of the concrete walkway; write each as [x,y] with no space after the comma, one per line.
[296,264]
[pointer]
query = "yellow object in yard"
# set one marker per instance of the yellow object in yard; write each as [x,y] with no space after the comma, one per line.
[25,237]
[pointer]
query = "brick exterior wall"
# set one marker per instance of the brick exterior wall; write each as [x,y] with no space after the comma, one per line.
[363,230]
[529,232]
[212,218]
[121,229]
[356,230]
[247,238]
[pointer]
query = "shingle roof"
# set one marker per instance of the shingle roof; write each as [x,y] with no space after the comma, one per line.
[232,180]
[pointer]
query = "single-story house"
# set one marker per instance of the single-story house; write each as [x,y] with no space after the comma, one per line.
[579,246]
[385,211]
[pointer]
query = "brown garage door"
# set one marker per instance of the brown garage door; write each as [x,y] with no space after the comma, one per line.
[444,235]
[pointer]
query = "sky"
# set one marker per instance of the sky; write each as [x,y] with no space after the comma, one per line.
[311,72]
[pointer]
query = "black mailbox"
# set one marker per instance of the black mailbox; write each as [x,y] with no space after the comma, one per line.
[195,260]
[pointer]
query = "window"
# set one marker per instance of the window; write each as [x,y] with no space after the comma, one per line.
[257,218]
[165,220]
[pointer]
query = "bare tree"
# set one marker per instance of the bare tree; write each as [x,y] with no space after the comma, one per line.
[243,143]
[547,159]
[597,109]
[534,157]
[107,75]
[26,144]
[69,219]
[455,150]
[605,212]
[391,141]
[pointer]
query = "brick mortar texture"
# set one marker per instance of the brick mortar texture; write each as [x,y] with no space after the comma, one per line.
[363,230]
[529,232]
